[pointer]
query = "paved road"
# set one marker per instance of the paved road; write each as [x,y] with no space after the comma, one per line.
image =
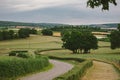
[58,69]
[101,71]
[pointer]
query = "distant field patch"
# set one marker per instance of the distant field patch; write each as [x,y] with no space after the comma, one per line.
[56,34]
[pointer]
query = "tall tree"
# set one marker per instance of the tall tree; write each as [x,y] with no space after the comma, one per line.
[24,32]
[11,34]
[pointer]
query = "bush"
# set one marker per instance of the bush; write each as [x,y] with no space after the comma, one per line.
[12,53]
[12,67]
[23,54]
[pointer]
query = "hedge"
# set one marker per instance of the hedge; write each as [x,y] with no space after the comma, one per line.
[22,54]
[77,72]
[12,67]
[61,58]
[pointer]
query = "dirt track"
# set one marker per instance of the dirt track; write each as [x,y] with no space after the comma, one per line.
[101,71]
[58,69]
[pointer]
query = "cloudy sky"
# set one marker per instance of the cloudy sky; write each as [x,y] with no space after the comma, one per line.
[56,11]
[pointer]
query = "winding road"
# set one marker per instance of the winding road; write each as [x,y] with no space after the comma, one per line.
[58,69]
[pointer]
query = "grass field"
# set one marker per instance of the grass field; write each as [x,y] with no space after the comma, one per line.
[49,42]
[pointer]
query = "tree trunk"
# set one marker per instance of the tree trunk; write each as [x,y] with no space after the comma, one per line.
[85,51]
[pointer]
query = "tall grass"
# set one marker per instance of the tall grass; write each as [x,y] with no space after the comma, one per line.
[12,67]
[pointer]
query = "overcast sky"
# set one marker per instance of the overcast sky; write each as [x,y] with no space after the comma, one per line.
[56,11]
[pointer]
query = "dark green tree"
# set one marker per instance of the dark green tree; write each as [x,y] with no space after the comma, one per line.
[11,34]
[6,35]
[1,36]
[119,27]
[103,3]
[33,31]
[24,32]
[77,41]
[88,41]
[115,38]
[47,32]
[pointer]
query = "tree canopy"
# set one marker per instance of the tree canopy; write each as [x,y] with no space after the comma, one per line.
[103,3]
[78,41]
[115,38]
[47,32]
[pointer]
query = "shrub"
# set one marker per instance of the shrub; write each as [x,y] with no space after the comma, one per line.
[23,54]
[12,53]
[12,67]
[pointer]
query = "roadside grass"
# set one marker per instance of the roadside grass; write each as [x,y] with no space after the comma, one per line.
[14,67]
[105,54]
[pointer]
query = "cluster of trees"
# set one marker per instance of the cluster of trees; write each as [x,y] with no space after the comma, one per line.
[25,32]
[47,32]
[22,33]
[115,38]
[79,42]
[5,35]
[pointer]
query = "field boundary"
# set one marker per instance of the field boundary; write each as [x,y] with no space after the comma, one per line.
[77,71]
[112,63]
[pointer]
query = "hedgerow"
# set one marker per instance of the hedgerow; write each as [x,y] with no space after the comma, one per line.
[12,67]
[22,54]
[76,73]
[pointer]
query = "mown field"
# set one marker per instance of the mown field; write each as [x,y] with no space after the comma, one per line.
[37,42]
[33,42]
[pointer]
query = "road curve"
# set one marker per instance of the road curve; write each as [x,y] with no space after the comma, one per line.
[58,69]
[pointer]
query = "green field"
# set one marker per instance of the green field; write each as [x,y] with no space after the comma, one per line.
[36,42]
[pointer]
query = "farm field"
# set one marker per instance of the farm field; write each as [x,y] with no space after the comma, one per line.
[38,42]
[33,42]
[48,42]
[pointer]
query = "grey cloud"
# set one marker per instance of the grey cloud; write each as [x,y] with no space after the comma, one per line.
[73,13]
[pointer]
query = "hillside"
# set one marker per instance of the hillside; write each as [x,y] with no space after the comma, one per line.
[11,23]
[111,25]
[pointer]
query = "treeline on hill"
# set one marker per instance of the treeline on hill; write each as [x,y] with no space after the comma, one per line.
[80,28]
[44,25]
[22,33]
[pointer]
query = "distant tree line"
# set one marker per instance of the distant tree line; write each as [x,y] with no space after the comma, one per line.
[80,28]
[13,24]
[79,42]
[22,33]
